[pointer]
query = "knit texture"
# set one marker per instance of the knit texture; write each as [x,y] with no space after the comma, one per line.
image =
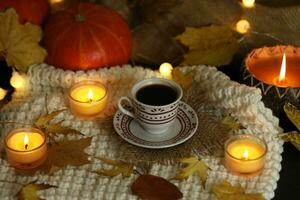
[241,101]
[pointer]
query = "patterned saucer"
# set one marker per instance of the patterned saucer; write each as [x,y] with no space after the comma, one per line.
[184,127]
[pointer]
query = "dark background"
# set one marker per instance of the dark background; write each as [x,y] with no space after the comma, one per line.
[289,182]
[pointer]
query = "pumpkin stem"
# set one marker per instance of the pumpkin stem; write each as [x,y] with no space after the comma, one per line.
[79,18]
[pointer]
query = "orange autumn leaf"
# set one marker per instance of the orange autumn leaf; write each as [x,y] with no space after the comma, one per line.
[155,188]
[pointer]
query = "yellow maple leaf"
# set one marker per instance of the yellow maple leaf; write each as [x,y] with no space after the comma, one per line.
[214,45]
[293,114]
[43,122]
[119,167]
[225,191]
[58,128]
[184,80]
[19,44]
[231,122]
[29,191]
[292,137]
[193,165]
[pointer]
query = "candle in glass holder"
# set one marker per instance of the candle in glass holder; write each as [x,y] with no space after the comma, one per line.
[245,154]
[26,148]
[87,99]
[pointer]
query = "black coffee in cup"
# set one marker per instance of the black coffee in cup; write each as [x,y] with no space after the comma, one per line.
[156,95]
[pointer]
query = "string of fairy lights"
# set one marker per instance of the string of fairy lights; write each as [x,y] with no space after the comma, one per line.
[243,26]
[19,81]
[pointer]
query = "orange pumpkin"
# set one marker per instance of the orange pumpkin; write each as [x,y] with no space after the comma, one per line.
[87,36]
[33,11]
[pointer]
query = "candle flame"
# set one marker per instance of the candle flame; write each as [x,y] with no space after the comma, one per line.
[246,154]
[282,69]
[90,95]
[248,3]
[26,140]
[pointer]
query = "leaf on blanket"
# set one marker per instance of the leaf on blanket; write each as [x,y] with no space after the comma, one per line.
[292,137]
[29,191]
[231,122]
[43,120]
[214,45]
[19,44]
[192,165]
[59,129]
[225,191]
[156,188]
[184,80]
[119,167]
[293,114]
[66,152]
[43,123]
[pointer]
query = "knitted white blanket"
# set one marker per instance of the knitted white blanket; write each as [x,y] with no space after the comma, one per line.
[79,183]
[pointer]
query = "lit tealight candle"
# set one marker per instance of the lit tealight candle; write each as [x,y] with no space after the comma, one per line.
[248,3]
[165,70]
[26,148]
[2,94]
[18,81]
[243,26]
[245,155]
[87,99]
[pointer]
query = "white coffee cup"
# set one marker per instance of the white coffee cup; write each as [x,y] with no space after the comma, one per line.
[154,119]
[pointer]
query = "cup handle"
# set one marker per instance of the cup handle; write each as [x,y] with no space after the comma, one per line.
[124,110]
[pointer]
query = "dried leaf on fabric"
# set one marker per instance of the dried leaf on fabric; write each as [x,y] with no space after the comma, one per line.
[154,187]
[292,137]
[192,165]
[66,152]
[293,114]
[58,128]
[42,121]
[225,191]
[119,167]
[29,191]
[214,45]
[185,80]
[231,122]
[19,44]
